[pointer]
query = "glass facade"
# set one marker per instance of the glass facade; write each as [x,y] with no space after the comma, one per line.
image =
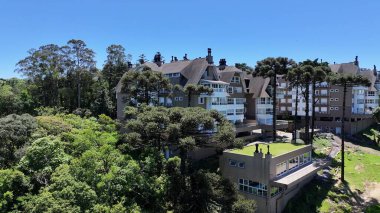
[252,187]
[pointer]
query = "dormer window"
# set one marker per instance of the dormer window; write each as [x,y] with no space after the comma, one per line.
[235,79]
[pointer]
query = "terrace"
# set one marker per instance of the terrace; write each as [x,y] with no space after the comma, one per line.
[276,149]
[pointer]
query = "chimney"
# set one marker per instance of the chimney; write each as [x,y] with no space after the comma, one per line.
[129,65]
[222,64]
[356,61]
[172,59]
[257,148]
[374,70]
[209,57]
[175,59]
[185,57]
[157,59]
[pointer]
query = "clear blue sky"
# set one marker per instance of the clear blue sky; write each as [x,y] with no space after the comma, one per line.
[240,31]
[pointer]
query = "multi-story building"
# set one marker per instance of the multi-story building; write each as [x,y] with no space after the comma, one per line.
[227,82]
[360,101]
[271,174]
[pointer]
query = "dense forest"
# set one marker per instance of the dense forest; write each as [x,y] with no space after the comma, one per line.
[62,151]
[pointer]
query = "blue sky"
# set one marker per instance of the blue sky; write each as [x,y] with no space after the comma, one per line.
[240,31]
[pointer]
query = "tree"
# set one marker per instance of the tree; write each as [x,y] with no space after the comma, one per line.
[15,97]
[270,68]
[15,132]
[79,63]
[44,67]
[320,72]
[244,67]
[144,87]
[193,89]
[376,114]
[114,68]
[307,73]
[13,184]
[243,205]
[346,81]
[294,77]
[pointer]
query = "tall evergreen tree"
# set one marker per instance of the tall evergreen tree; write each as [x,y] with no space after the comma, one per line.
[346,81]
[270,68]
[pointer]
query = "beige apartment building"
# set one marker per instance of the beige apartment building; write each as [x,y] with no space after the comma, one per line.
[271,174]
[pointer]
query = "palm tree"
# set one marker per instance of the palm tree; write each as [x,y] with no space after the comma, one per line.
[270,68]
[346,81]
[294,77]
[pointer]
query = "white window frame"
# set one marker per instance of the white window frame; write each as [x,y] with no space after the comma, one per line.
[201,100]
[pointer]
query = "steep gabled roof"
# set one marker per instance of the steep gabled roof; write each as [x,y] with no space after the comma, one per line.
[371,77]
[345,68]
[257,86]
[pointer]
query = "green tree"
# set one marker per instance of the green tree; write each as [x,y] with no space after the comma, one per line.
[346,81]
[243,205]
[15,97]
[13,184]
[80,64]
[193,89]
[376,114]
[44,67]
[270,68]
[15,132]
[294,77]
[244,67]
[144,87]
[41,159]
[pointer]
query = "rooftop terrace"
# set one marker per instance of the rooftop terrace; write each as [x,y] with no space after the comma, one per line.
[275,149]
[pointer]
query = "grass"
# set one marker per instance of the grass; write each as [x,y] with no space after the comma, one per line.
[275,149]
[361,168]
[321,146]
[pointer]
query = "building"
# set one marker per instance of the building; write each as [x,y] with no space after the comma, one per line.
[360,101]
[271,174]
[228,96]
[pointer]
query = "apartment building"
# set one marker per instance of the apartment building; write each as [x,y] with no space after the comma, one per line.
[360,101]
[228,96]
[271,174]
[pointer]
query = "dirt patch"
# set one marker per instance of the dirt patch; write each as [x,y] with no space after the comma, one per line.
[372,191]
[359,168]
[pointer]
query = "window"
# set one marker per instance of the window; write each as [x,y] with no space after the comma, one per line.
[371,93]
[239,111]
[281,168]
[336,108]
[289,100]
[230,101]
[283,84]
[290,108]
[331,99]
[238,89]
[230,90]
[283,108]
[331,90]
[336,99]
[369,101]
[360,101]
[331,108]
[235,79]
[323,100]
[252,187]
[240,100]
[336,90]
[293,163]
[323,92]
[316,109]
[317,92]
[236,163]
[178,98]
[323,109]
[201,100]
[230,112]
[283,100]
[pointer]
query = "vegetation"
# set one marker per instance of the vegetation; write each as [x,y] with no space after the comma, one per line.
[346,81]
[270,68]
[275,149]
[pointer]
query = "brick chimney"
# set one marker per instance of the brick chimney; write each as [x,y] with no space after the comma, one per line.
[175,58]
[222,64]
[209,57]
[158,59]
[185,57]
[356,61]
